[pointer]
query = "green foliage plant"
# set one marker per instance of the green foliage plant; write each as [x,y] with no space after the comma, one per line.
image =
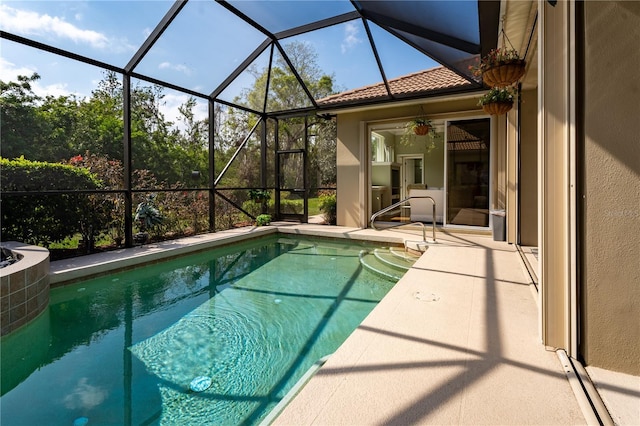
[496,94]
[252,208]
[412,134]
[259,195]
[495,58]
[329,207]
[291,206]
[263,219]
[147,214]
[418,122]
[53,217]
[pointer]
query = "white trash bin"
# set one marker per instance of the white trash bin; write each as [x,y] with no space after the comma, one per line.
[498,218]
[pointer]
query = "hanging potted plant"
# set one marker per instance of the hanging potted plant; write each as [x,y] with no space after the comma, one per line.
[501,67]
[419,126]
[497,101]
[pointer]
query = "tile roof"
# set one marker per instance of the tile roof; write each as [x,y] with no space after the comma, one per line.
[434,79]
[458,134]
[466,146]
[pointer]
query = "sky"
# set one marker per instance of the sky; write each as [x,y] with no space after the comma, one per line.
[200,48]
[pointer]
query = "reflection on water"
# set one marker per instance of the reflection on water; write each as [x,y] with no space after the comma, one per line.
[124,349]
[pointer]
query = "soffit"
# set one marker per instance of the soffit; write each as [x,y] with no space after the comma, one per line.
[520,27]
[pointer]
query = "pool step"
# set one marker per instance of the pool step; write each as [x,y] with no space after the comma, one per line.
[395,259]
[387,263]
[417,247]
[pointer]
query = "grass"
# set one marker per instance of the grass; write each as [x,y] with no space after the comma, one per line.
[314,206]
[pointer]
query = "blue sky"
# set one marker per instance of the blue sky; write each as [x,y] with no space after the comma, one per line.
[198,50]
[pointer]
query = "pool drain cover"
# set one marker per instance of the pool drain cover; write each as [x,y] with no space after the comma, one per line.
[80,421]
[200,384]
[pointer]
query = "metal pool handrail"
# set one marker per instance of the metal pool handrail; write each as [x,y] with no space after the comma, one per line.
[400,203]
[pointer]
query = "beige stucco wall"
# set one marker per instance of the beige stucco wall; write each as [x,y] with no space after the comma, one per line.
[512,175]
[352,173]
[611,247]
[529,168]
[350,176]
[522,183]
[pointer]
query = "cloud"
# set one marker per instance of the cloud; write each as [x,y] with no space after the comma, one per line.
[84,396]
[173,100]
[177,67]
[32,23]
[9,72]
[350,39]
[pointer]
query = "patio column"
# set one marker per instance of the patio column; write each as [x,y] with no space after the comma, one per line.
[556,144]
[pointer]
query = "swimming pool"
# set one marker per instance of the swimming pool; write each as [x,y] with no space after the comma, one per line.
[249,320]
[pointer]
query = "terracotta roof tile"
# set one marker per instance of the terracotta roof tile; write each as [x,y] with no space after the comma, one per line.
[466,146]
[434,79]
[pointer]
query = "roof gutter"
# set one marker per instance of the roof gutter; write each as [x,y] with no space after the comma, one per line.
[401,103]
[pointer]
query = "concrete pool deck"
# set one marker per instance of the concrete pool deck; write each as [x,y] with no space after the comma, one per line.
[456,341]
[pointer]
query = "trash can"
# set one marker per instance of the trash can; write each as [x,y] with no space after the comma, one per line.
[498,225]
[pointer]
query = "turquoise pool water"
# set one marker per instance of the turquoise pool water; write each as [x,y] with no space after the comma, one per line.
[124,349]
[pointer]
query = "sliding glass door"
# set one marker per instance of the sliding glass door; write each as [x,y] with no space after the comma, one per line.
[468,153]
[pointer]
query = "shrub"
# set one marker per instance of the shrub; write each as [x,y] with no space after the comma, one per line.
[263,219]
[52,217]
[259,195]
[291,206]
[328,205]
[252,208]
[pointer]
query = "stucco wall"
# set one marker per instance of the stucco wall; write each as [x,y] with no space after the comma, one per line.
[349,176]
[352,178]
[611,268]
[529,169]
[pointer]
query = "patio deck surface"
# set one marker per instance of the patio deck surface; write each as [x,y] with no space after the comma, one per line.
[456,341]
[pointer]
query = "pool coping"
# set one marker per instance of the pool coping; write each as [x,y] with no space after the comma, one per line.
[69,271]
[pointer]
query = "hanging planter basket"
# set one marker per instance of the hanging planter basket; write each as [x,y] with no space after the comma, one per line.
[422,129]
[504,74]
[497,108]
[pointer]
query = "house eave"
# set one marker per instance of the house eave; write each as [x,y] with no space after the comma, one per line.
[400,102]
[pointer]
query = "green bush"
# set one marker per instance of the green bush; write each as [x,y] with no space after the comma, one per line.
[291,206]
[328,205]
[263,219]
[52,217]
[252,208]
[259,195]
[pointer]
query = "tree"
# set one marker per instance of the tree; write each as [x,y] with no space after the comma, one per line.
[285,93]
[21,128]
